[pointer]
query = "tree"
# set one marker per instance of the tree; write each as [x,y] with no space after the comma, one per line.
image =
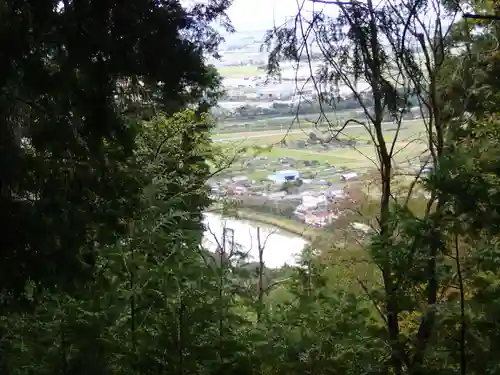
[468,170]
[74,73]
[153,305]
[313,138]
[400,57]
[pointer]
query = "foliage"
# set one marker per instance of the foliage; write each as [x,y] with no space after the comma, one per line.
[103,192]
[291,186]
[73,75]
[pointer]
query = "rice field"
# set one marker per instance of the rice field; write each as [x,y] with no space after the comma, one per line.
[407,149]
[238,71]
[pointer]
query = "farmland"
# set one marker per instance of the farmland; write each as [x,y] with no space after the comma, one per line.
[359,155]
[235,71]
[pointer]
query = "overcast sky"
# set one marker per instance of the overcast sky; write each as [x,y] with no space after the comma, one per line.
[259,14]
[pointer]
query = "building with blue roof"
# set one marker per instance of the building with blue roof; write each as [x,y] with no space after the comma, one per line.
[285,175]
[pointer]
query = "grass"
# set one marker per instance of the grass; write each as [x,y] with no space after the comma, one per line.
[271,138]
[259,126]
[361,157]
[240,71]
[407,149]
[288,225]
[305,128]
[338,158]
[409,129]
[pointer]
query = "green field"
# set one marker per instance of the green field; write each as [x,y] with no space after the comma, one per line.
[363,156]
[242,71]
[263,138]
[409,131]
[285,124]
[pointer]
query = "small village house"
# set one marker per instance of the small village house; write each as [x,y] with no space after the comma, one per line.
[282,176]
[349,176]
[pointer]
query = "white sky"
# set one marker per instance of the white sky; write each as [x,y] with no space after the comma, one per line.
[258,15]
[248,15]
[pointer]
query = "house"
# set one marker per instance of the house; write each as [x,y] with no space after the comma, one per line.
[277,195]
[311,201]
[240,179]
[427,169]
[349,176]
[318,219]
[335,194]
[300,212]
[282,176]
[239,190]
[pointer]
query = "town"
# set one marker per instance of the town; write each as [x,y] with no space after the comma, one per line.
[307,197]
[302,178]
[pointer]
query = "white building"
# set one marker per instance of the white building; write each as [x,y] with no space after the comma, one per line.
[240,179]
[310,201]
[349,176]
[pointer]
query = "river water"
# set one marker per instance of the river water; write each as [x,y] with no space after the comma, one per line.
[280,247]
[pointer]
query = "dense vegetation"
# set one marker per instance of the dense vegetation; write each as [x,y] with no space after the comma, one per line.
[103,154]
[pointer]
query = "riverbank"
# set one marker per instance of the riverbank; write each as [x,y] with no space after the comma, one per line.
[281,247]
[287,225]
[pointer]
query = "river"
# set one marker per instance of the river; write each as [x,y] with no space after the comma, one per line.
[280,247]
